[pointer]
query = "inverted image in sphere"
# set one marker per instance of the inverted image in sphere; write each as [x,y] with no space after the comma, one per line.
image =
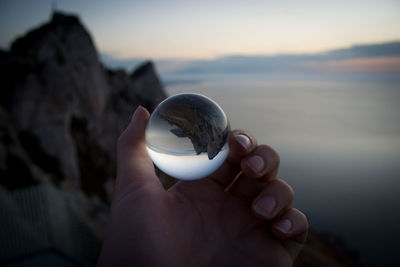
[187,136]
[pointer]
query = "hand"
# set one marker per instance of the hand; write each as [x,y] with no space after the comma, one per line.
[196,223]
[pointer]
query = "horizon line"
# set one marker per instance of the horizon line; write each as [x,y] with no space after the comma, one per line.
[184,59]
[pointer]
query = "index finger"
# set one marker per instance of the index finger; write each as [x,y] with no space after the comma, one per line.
[241,144]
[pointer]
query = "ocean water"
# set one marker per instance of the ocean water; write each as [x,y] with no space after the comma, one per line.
[339,141]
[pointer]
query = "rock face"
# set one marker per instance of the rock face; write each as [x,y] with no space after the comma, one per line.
[61,111]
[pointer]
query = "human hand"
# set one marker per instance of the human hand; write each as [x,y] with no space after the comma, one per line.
[196,223]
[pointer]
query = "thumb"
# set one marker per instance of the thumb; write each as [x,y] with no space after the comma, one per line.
[134,166]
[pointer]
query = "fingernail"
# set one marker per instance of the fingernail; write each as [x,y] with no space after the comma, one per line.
[243,140]
[265,206]
[256,163]
[283,226]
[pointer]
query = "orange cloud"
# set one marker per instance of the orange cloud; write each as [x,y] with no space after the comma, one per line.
[370,64]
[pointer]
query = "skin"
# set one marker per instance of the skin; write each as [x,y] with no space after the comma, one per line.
[196,223]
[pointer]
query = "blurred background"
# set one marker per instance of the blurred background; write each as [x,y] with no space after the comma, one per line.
[317,80]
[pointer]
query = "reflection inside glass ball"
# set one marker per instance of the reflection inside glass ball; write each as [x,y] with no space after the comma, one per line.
[187,136]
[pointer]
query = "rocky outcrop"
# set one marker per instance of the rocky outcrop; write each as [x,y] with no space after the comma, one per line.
[61,110]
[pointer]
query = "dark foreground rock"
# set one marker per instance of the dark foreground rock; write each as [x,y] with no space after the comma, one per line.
[62,111]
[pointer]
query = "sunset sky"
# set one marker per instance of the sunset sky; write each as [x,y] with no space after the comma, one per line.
[208,29]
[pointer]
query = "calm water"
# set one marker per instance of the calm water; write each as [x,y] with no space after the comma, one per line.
[339,141]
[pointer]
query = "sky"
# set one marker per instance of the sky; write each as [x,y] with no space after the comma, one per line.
[209,29]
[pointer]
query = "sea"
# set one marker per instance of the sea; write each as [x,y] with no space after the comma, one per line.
[338,136]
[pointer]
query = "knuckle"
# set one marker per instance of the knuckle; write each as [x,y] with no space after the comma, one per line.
[284,189]
[269,154]
[300,215]
[288,188]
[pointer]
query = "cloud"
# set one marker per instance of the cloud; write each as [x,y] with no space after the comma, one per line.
[381,58]
[366,65]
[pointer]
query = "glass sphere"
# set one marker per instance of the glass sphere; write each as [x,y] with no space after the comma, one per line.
[187,136]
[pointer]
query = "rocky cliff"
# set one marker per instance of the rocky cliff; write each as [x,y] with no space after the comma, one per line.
[62,110]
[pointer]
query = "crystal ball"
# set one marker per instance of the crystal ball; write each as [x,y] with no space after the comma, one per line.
[187,136]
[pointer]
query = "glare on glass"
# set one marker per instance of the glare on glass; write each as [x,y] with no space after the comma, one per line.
[187,136]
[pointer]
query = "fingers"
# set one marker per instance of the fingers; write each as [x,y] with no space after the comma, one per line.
[241,143]
[134,164]
[259,162]
[291,228]
[274,204]
[291,224]
[258,167]
[262,163]
[276,197]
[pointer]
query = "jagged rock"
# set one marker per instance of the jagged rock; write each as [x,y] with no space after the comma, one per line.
[64,110]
